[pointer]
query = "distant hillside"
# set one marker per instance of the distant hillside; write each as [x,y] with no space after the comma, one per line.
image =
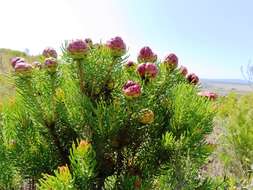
[229,81]
[225,86]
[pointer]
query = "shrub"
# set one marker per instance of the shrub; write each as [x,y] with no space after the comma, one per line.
[236,143]
[106,125]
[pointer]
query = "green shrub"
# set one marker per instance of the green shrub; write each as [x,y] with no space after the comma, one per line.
[236,150]
[81,114]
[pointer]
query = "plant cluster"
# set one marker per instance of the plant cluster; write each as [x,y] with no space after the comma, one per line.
[94,120]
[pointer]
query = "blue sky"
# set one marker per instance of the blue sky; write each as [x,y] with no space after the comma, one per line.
[213,38]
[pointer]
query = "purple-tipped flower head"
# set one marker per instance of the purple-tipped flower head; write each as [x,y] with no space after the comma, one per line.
[117,46]
[130,64]
[193,79]
[49,52]
[77,48]
[132,89]
[51,63]
[148,70]
[146,55]
[183,70]
[171,61]
[22,68]
[16,60]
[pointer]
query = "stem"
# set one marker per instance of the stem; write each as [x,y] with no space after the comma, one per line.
[81,75]
[56,140]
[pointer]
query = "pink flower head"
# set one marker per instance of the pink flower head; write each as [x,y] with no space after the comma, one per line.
[16,60]
[209,95]
[117,46]
[183,70]
[130,64]
[77,48]
[146,55]
[149,70]
[171,61]
[193,79]
[131,89]
[22,67]
[51,63]
[49,52]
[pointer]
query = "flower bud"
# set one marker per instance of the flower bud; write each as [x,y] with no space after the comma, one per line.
[151,70]
[23,67]
[36,64]
[77,48]
[209,95]
[146,116]
[88,41]
[183,70]
[130,64]
[148,70]
[49,52]
[117,46]
[132,89]
[83,145]
[51,63]
[193,79]
[171,61]
[16,60]
[146,55]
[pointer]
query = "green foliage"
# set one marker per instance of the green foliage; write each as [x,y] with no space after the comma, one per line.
[153,141]
[236,141]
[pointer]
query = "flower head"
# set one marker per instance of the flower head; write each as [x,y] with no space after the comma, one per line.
[22,67]
[117,46]
[49,52]
[209,95]
[130,64]
[193,79]
[77,48]
[83,145]
[51,63]
[146,116]
[148,70]
[183,70]
[146,55]
[171,61]
[16,60]
[131,89]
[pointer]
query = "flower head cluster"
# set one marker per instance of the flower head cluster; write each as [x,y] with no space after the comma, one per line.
[20,65]
[146,55]
[131,89]
[117,46]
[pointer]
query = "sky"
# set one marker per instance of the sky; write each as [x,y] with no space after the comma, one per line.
[212,38]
